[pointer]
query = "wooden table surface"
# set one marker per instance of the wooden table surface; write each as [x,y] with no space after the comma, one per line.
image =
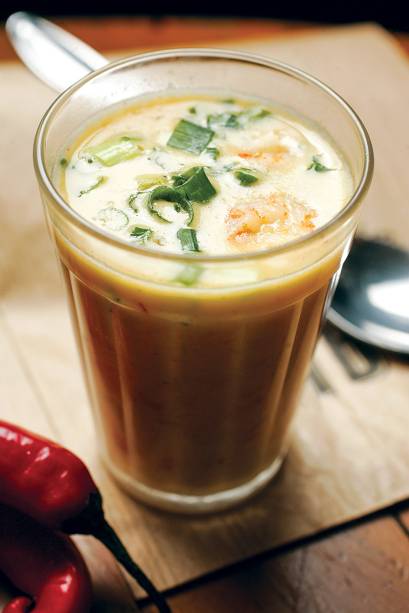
[362,567]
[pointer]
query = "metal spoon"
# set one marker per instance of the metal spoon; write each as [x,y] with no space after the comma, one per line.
[371,302]
[372,299]
[52,54]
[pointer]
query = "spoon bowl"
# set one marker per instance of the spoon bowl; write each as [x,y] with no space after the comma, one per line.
[371,302]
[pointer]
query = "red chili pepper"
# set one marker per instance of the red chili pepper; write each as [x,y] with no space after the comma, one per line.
[52,485]
[41,478]
[18,605]
[43,563]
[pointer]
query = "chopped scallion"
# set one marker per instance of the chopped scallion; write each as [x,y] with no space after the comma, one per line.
[229,167]
[245,176]
[115,150]
[190,137]
[99,181]
[255,113]
[131,200]
[141,234]
[213,152]
[188,239]
[237,120]
[112,218]
[224,120]
[317,165]
[194,185]
[169,194]
[148,181]
[189,274]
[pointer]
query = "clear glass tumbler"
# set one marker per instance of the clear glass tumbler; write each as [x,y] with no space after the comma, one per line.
[194,389]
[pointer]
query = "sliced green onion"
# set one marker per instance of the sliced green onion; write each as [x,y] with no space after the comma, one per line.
[245,176]
[131,200]
[194,185]
[169,194]
[112,218]
[225,120]
[213,152]
[99,181]
[189,274]
[188,239]
[115,150]
[237,120]
[190,137]
[255,113]
[178,180]
[229,167]
[141,234]
[148,181]
[317,165]
[155,156]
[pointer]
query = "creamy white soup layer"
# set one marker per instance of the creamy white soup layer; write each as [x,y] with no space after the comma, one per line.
[205,174]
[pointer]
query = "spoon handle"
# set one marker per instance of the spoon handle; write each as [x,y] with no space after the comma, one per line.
[52,54]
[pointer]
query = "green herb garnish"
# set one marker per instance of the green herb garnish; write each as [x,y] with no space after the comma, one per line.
[317,165]
[141,234]
[190,137]
[98,182]
[131,201]
[192,110]
[113,218]
[229,167]
[213,152]
[224,120]
[189,274]
[148,181]
[169,194]
[228,101]
[255,113]
[115,150]
[237,120]
[194,185]
[188,239]
[63,162]
[245,176]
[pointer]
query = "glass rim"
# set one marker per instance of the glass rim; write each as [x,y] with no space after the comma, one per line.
[202,53]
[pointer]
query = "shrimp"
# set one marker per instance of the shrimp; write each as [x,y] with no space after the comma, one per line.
[269,220]
[277,148]
[268,157]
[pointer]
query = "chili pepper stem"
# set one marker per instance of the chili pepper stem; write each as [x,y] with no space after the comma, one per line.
[107,535]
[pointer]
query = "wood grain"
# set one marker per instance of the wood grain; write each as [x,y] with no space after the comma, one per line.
[349,452]
[112,593]
[362,570]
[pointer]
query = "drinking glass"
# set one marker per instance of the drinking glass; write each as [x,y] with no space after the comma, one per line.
[194,385]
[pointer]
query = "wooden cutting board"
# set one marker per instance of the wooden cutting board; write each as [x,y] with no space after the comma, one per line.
[349,453]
